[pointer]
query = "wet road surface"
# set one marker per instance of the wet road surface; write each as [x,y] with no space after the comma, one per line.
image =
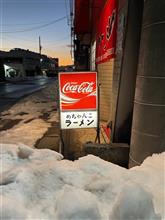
[10,93]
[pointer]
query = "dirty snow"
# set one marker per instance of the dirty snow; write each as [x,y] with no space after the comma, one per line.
[40,184]
[35,112]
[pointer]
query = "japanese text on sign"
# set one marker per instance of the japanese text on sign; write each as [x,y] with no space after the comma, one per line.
[106,33]
[78,119]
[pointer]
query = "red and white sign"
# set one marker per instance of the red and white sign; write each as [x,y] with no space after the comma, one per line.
[106,32]
[78,90]
[78,99]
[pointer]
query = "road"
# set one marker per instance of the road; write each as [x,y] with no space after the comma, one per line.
[10,93]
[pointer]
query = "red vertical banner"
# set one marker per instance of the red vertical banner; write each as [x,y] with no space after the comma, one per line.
[106,32]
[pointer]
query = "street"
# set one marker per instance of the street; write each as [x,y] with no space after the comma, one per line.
[11,92]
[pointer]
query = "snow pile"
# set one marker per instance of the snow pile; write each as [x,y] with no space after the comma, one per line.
[39,184]
[75,203]
[134,203]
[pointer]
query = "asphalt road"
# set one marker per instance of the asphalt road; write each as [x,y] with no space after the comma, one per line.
[10,93]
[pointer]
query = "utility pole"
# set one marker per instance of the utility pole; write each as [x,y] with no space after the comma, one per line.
[72,27]
[40,47]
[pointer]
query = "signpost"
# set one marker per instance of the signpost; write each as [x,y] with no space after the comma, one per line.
[78,100]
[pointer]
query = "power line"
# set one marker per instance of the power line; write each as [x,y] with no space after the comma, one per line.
[71,26]
[35,28]
[51,44]
[24,24]
[1,20]
[57,41]
[20,38]
[67,14]
[71,6]
[13,42]
[35,41]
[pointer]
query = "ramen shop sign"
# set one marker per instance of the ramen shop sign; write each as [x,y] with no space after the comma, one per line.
[78,99]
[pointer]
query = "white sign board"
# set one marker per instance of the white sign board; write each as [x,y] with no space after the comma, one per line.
[78,119]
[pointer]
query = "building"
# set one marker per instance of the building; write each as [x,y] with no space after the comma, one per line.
[110,38]
[19,63]
[49,66]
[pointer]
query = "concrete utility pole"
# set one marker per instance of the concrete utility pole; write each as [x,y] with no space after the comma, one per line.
[40,47]
[148,128]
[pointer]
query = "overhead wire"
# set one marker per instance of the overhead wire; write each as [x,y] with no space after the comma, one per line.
[33,41]
[8,39]
[10,31]
[67,14]
[37,27]
[71,26]
[12,41]
[56,41]
[20,38]
[24,24]
[1,21]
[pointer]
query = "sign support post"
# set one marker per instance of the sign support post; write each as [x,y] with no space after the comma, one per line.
[98,117]
[61,146]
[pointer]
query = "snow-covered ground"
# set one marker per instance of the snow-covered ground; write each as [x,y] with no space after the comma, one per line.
[30,111]
[39,184]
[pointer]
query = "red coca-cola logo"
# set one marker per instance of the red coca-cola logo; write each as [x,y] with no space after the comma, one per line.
[78,91]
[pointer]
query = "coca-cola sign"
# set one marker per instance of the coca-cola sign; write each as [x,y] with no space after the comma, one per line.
[78,91]
[72,87]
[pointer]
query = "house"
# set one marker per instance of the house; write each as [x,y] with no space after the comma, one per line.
[19,63]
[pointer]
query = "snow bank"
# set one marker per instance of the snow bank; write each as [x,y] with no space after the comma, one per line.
[74,203]
[134,203]
[39,184]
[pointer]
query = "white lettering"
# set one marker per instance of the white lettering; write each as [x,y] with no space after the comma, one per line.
[84,87]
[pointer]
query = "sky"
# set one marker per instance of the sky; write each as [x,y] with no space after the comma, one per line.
[23,21]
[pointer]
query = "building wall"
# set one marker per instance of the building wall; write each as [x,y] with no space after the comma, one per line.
[93,56]
[105,77]
[121,28]
[81,52]
[128,69]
